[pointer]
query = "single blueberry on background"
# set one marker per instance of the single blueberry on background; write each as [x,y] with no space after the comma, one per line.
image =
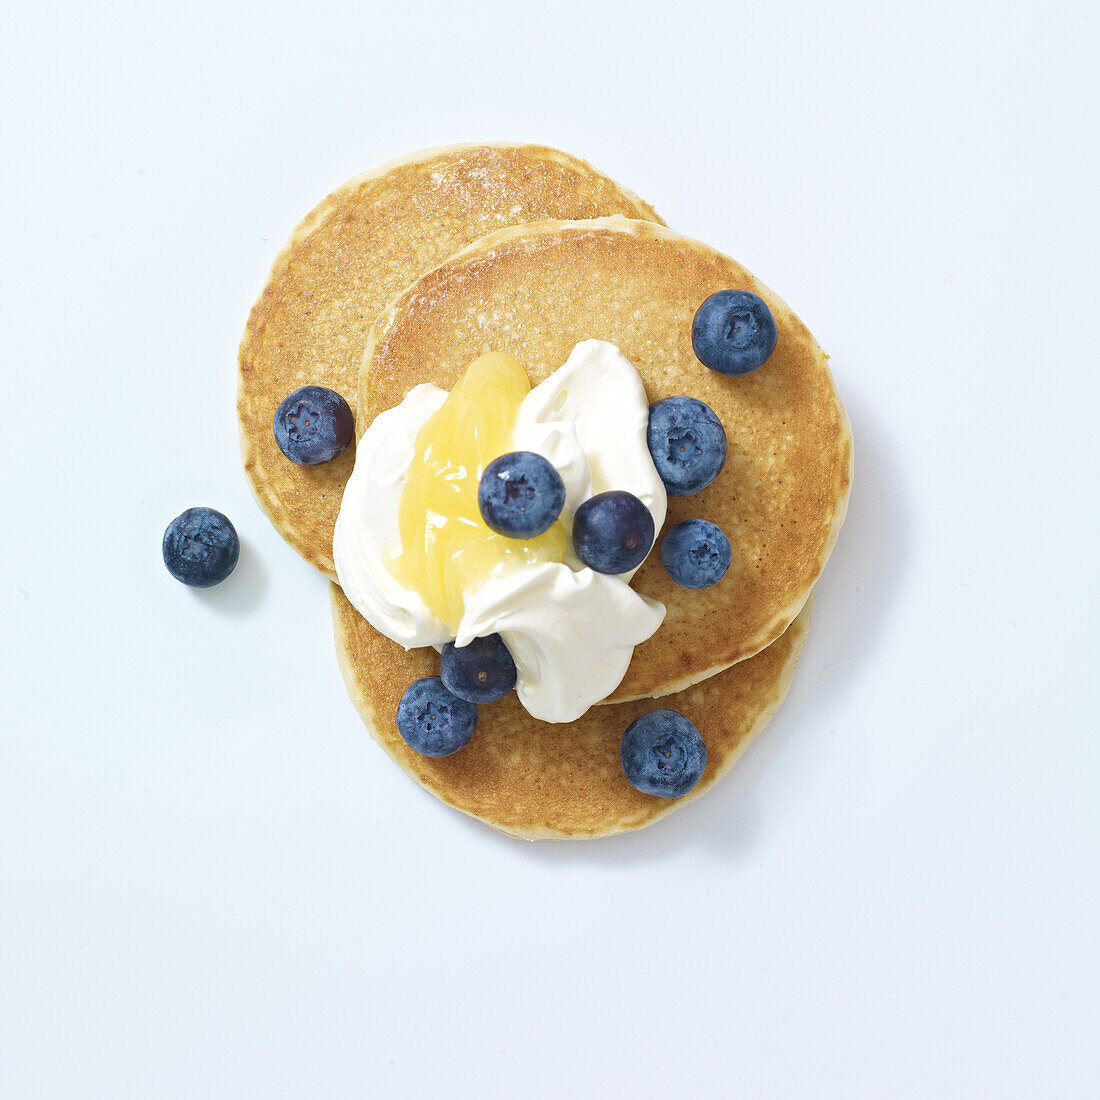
[687,443]
[696,553]
[520,494]
[200,547]
[612,532]
[481,672]
[432,721]
[313,425]
[733,332]
[662,753]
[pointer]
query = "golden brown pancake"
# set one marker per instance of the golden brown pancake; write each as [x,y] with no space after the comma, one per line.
[350,256]
[534,780]
[534,291]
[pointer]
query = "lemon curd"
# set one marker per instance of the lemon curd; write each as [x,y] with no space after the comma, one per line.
[447,550]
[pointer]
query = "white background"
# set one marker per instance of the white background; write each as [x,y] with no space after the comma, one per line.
[213,884]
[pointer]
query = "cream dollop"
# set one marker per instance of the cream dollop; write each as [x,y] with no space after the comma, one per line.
[570,630]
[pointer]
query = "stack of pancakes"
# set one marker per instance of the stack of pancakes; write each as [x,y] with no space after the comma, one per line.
[407,274]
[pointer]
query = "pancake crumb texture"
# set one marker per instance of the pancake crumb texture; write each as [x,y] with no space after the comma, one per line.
[350,256]
[534,291]
[538,781]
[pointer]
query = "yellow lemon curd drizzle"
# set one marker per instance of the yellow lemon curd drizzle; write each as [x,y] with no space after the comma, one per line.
[447,550]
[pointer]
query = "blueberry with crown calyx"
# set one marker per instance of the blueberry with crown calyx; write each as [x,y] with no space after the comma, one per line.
[733,332]
[662,753]
[612,532]
[520,494]
[696,553]
[481,672]
[200,547]
[687,444]
[313,425]
[432,721]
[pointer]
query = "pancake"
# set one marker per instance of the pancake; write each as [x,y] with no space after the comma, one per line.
[361,246]
[534,291]
[537,781]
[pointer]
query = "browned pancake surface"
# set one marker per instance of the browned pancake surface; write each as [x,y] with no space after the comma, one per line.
[350,256]
[534,291]
[535,780]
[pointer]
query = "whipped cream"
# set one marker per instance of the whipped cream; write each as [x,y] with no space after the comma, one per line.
[571,631]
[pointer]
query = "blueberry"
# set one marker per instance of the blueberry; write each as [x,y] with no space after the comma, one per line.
[733,332]
[432,721]
[696,553]
[520,495]
[662,753]
[200,547]
[313,425]
[481,672]
[687,443]
[612,532]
